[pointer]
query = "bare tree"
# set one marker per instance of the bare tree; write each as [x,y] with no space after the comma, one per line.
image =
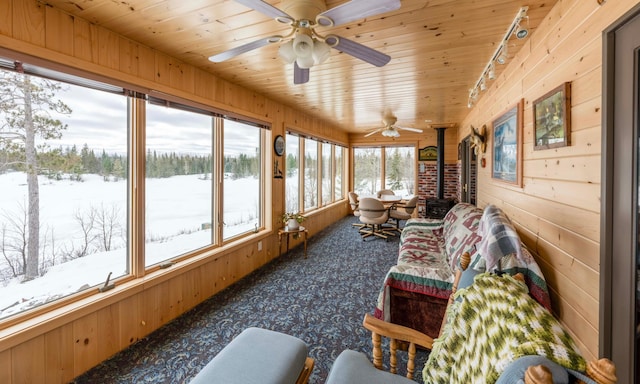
[108,224]
[47,257]
[87,226]
[26,106]
[13,240]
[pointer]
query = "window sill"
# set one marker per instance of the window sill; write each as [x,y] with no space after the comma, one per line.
[90,301]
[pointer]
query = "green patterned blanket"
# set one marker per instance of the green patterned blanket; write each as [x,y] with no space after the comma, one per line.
[493,323]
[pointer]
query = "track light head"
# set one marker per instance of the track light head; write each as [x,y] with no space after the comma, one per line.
[521,33]
[492,71]
[502,57]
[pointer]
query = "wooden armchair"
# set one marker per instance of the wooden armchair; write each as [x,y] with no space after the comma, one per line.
[601,371]
[405,335]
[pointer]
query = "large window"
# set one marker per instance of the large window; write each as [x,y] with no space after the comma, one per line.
[321,172]
[327,174]
[63,171]
[367,173]
[292,183]
[70,180]
[399,170]
[242,180]
[180,192]
[338,190]
[398,164]
[178,204]
[311,183]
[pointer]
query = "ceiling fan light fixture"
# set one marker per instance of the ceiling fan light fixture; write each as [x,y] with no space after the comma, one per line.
[390,132]
[286,53]
[321,51]
[305,62]
[303,45]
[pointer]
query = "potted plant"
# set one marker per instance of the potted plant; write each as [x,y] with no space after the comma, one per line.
[292,220]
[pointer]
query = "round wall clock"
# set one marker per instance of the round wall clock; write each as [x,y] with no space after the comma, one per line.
[278,145]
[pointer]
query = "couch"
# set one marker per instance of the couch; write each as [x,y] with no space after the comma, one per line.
[495,332]
[415,290]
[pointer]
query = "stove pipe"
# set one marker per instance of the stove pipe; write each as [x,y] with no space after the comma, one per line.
[440,163]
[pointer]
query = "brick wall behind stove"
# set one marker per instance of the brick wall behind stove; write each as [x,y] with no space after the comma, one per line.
[428,181]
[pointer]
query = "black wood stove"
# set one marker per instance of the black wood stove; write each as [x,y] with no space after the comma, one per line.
[437,207]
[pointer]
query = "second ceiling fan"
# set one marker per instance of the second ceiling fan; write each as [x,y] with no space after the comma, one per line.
[303,45]
[390,129]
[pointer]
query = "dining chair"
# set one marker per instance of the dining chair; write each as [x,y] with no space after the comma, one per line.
[354,203]
[403,212]
[384,192]
[374,213]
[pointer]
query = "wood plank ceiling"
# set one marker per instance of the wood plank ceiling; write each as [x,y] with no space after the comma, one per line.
[438,50]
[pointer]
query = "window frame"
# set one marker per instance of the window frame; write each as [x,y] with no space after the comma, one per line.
[383,160]
[302,142]
[135,200]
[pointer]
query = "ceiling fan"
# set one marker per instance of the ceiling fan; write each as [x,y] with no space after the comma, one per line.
[390,129]
[303,45]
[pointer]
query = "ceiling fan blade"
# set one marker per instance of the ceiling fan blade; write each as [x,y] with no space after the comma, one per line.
[300,75]
[410,129]
[265,8]
[373,132]
[355,10]
[233,52]
[358,50]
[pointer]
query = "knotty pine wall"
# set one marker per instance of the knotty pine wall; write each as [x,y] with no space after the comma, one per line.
[557,210]
[56,347]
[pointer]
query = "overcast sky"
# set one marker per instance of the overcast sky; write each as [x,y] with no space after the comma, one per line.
[99,119]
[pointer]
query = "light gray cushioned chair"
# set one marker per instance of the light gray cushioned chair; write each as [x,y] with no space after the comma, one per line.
[404,212]
[353,367]
[374,213]
[384,192]
[355,208]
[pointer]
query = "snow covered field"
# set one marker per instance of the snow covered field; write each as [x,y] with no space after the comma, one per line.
[176,209]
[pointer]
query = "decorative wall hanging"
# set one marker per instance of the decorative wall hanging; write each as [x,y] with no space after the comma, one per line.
[507,146]
[478,139]
[279,145]
[552,119]
[277,173]
[429,153]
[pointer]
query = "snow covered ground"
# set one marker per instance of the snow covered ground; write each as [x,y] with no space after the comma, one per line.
[176,209]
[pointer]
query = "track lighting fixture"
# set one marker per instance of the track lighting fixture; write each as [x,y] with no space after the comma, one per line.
[492,72]
[522,32]
[500,56]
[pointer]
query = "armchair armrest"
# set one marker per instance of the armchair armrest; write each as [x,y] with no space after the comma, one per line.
[395,333]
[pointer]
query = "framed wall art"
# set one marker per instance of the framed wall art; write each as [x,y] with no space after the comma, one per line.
[429,153]
[552,118]
[507,146]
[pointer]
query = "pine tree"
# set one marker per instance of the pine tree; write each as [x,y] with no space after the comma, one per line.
[26,107]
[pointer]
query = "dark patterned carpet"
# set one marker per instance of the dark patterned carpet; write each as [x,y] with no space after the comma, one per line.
[321,299]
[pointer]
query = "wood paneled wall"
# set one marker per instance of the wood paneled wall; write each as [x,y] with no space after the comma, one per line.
[557,210]
[68,341]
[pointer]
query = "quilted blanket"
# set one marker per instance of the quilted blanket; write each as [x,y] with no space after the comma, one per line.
[494,323]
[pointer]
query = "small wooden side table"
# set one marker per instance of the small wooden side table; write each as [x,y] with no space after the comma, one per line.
[288,232]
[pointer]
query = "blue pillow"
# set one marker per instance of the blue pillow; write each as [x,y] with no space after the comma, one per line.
[466,279]
[514,373]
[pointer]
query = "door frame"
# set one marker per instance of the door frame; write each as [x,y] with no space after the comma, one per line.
[468,172]
[619,231]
